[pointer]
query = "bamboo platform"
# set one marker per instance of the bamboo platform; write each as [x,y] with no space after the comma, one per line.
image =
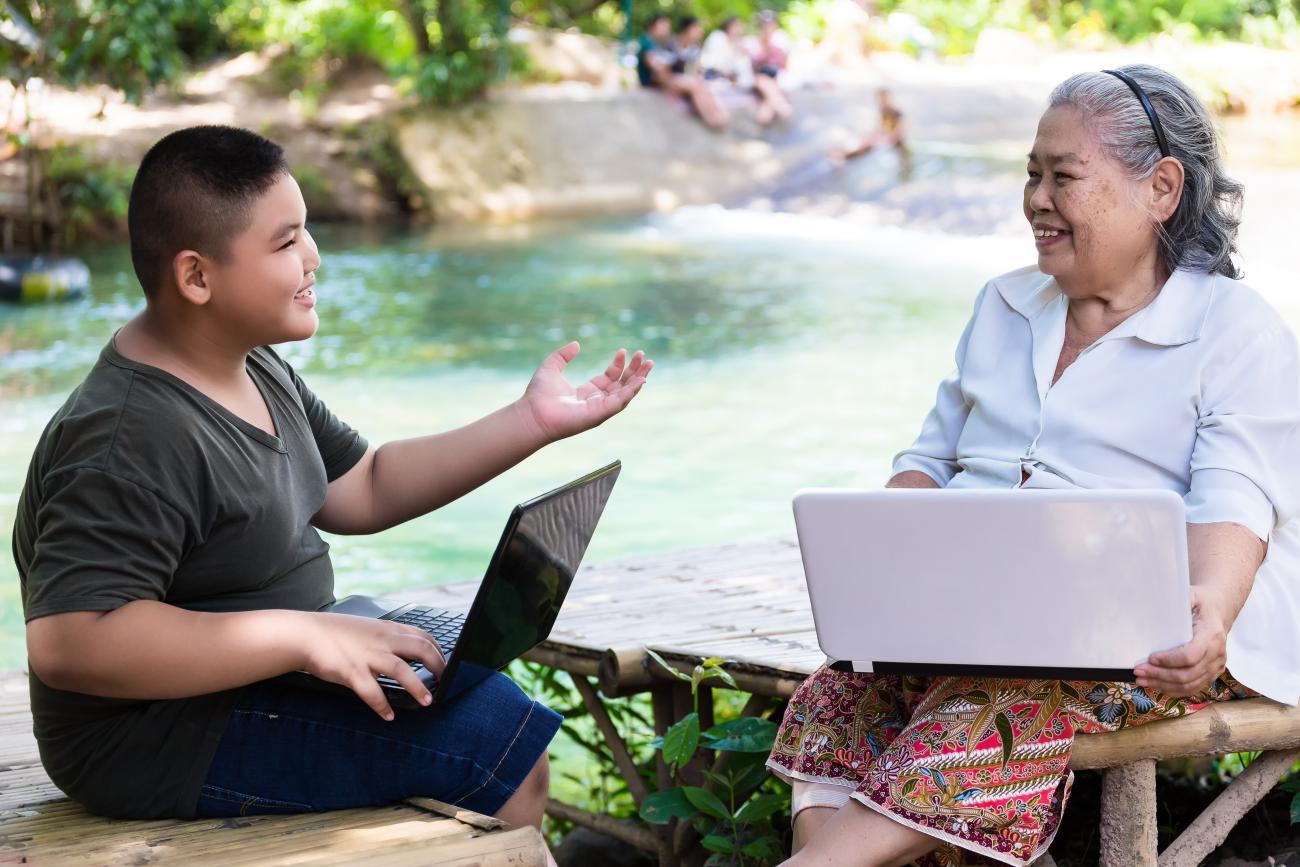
[38,825]
[749,604]
[746,602]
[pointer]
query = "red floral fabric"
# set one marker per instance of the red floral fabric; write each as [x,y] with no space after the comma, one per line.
[979,763]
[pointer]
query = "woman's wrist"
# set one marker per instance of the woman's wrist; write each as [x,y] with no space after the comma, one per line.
[1212,605]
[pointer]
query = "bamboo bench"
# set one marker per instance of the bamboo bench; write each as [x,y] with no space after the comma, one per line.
[748,603]
[40,826]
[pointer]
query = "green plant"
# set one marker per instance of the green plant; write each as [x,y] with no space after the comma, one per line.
[732,812]
[584,772]
[89,197]
[317,38]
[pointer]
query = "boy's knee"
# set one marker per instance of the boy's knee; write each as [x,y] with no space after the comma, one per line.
[538,781]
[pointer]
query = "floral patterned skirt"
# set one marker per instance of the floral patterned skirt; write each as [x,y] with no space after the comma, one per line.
[979,763]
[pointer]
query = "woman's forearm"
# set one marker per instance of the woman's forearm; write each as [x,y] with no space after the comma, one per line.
[1223,559]
[912,479]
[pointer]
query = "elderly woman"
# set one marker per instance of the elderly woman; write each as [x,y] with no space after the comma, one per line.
[1129,357]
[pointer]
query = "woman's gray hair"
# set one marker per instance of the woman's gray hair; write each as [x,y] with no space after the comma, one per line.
[1202,233]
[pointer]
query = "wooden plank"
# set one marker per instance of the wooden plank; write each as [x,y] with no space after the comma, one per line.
[64,833]
[40,825]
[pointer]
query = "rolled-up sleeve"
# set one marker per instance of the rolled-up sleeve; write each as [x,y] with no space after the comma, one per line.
[934,451]
[1245,464]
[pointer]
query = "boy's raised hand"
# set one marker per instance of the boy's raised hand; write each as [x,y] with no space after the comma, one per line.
[555,409]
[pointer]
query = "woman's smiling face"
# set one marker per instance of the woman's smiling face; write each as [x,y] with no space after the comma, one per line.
[1087,215]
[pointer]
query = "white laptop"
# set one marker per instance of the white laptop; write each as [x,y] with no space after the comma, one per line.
[1070,585]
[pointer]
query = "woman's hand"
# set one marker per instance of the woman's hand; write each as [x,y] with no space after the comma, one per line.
[1191,669]
[554,409]
[353,651]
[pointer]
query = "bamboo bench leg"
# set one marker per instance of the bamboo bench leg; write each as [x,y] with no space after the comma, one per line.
[1211,828]
[1128,815]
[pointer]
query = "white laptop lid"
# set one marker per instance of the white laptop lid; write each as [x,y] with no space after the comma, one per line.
[1022,583]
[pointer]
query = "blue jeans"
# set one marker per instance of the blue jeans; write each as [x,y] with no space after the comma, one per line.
[293,750]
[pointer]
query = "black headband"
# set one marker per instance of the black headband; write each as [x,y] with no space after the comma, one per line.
[1146,106]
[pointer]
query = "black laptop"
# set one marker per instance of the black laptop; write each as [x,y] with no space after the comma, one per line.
[517,603]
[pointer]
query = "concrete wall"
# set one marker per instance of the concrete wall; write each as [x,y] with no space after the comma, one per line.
[523,156]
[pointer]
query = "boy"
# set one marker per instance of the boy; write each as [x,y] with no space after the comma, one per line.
[167,548]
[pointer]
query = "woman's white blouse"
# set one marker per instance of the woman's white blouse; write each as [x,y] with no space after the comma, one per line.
[1198,392]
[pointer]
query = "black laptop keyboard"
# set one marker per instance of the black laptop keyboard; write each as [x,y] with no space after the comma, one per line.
[444,626]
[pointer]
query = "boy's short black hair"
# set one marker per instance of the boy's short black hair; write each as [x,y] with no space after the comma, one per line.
[686,22]
[193,191]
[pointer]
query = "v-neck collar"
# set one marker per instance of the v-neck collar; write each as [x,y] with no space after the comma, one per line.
[117,359]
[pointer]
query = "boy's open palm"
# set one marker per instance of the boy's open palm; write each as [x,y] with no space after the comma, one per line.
[557,409]
[353,651]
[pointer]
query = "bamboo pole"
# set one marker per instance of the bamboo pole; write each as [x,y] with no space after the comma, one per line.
[628,832]
[617,745]
[1208,830]
[1128,815]
[1247,725]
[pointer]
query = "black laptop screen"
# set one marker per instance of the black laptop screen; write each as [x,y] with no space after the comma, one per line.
[529,577]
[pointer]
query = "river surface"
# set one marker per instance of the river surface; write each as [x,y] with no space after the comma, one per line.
[791,350]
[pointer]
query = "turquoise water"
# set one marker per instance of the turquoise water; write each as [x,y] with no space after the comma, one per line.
[790,352]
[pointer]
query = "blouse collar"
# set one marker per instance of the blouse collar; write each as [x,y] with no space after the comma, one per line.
[1176,316]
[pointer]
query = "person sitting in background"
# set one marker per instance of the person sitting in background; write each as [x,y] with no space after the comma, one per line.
[654,51]
[770,50]
[724,58]
[657,65]
[891,133]
[686,45]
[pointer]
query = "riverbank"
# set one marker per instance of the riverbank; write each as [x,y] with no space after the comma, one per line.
[365,153]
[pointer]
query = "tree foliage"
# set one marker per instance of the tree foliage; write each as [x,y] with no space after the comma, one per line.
[450,50]
[129,45]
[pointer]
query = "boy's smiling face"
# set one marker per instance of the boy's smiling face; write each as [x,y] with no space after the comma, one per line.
[262,292]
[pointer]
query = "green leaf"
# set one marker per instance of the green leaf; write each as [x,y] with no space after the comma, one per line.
[666,667]
[661,807]
[745,735]
[720,844]
[718,779]
[909,786]
[681,740]
[713,671]
[707,802]
[751,776]
[1003,723]
[761,807]
[1295,809]
[767,848]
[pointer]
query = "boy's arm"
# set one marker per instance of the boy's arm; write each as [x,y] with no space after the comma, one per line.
[408,478]
[151,650]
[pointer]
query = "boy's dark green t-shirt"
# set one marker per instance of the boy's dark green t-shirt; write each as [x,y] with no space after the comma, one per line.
[142,487]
